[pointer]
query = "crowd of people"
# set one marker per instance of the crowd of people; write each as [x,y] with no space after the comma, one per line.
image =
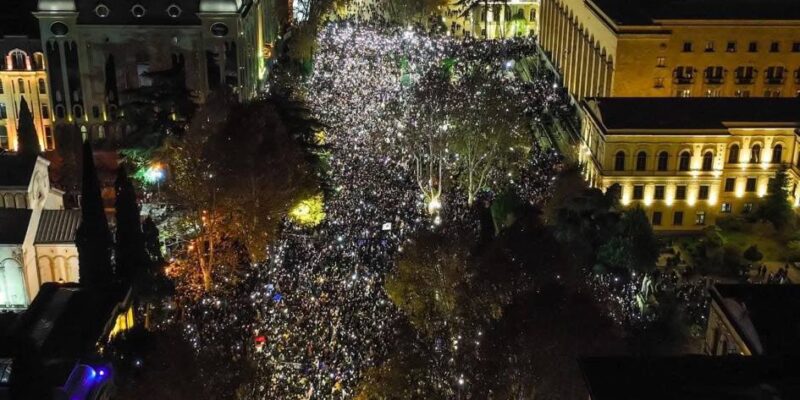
[316,316]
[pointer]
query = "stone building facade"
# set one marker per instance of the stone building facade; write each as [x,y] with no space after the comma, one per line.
[674,48]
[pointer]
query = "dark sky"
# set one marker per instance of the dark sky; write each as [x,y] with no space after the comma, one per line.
[16,18]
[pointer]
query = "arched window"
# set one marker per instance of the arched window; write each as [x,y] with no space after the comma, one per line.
[38,61]
[683,161]
[733,154]
[641,161]
[708,161]
[663,157]
[777,154]
[84,133]
[619,161]
[755,154]
[42,86]
[21,85]
[18,60]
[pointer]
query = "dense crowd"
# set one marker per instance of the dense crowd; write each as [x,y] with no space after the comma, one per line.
[316,316]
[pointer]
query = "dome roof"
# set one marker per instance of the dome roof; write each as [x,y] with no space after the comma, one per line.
[56,5]
[220,5]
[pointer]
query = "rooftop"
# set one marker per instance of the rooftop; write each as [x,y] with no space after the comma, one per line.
[13,225]
[648,12]
[766,316]
[692,378]
[624,114]
[67,320]
[58,226]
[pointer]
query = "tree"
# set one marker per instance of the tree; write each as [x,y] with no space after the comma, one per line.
[776,207]
[66,171]
[237,172]
[490,126]
[152,242]
[131,257]
[468,6]
[752,254]
[27,140]
[93,238]
[158,109]
[633,247]
[585,222]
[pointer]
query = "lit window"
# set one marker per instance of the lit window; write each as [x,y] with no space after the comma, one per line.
[21,85]
[755,154]
[726,208]
[660,62]
[700,218]
[709,47]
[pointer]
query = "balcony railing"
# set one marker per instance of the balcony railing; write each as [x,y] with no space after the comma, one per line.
[684,80]
[714,80]
[774,80]
[745,80]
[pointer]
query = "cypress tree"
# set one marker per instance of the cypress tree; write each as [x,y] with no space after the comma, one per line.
[27,142]
[152,243]
[131,256]
[93,238]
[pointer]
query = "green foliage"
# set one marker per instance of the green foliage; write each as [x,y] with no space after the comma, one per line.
[633,246]
[776,207]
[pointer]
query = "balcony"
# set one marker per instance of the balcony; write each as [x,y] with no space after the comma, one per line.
[745,80]
[684,80]
[714,80]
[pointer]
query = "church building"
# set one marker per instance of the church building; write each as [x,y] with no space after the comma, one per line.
[37,235]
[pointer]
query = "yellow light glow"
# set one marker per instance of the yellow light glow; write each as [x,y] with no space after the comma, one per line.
[309,212]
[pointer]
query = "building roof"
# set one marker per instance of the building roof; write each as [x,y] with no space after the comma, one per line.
[68,320]
[692,378]
[13,225]
[16,171]
[648,12]
[58,226]
[767,317]
[155,12]
[623,114]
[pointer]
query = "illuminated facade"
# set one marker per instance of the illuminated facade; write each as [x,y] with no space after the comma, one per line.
[23,74]
[688,161]
[505,19]
[97,50]
[674,48]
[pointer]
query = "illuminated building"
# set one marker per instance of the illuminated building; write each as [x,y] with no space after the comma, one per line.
[23,75]
[753,320]
[96,50]
[37,235]
[688,161]
[505,19]
[674,47]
